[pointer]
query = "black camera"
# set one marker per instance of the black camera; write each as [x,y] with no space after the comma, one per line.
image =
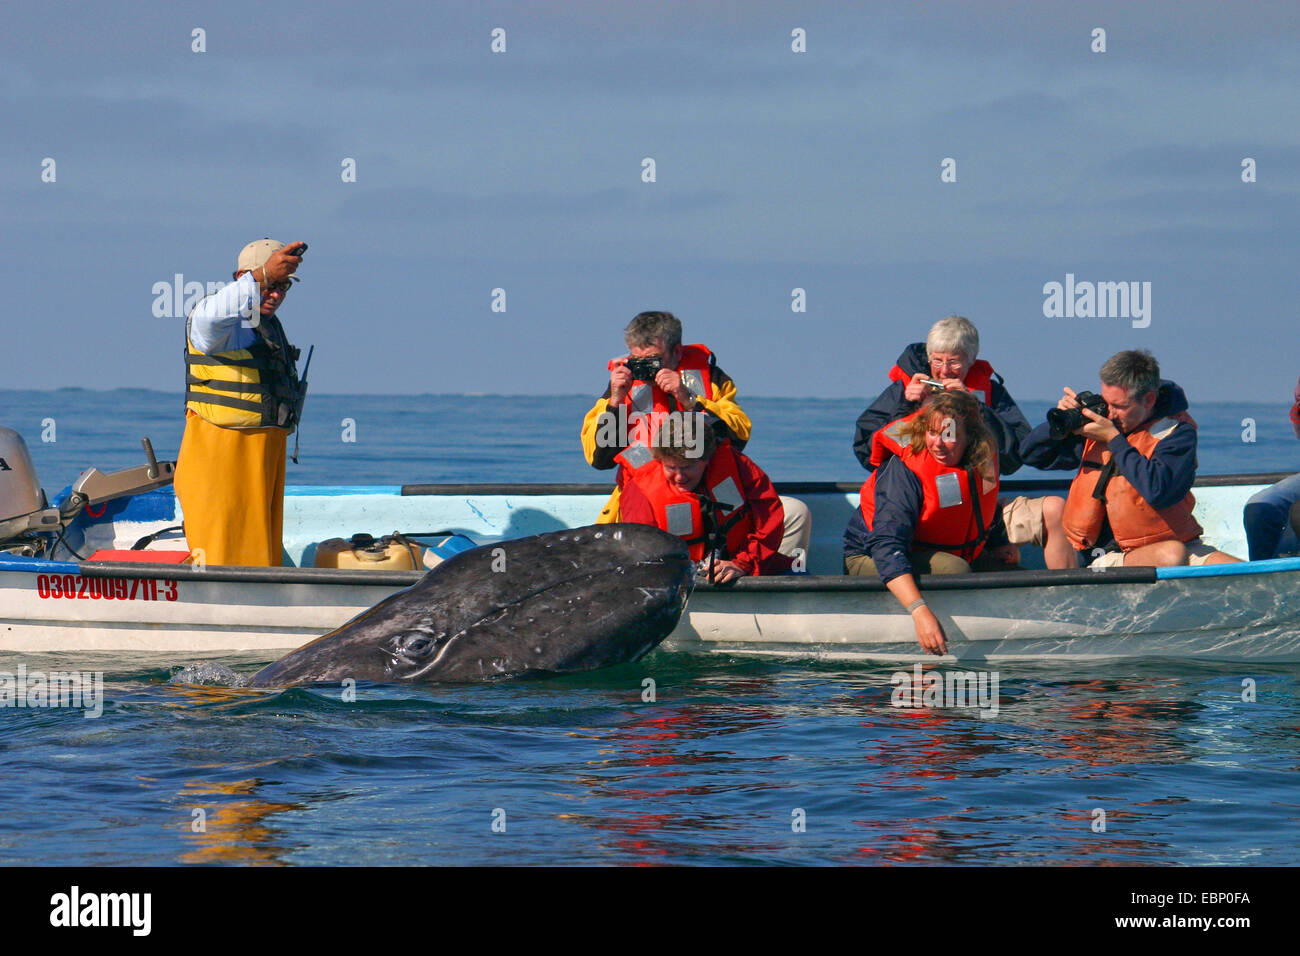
[1063,421]
[644,369]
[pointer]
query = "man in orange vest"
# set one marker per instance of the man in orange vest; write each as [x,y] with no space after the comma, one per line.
[949,357]
[1131,502]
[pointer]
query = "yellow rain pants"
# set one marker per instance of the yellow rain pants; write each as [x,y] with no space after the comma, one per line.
[230,484]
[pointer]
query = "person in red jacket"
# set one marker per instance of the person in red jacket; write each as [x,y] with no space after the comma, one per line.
[716,499]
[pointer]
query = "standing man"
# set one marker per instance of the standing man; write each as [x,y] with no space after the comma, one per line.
[242,399]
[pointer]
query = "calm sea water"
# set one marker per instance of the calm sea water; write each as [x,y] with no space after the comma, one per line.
[734,761]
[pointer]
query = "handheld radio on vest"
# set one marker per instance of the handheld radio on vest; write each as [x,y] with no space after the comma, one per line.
[302,400]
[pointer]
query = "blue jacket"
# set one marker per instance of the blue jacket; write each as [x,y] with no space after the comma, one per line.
[1003,418]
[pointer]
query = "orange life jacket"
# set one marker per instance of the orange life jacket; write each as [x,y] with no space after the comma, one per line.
[684,513]
[979,379]
[647,404]
[1133,522]
[949,521]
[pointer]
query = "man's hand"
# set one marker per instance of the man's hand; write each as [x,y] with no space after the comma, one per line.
[1099,429]
[281,265]
[1069,400]
[669,381]
[620,380]
[724,571]
[929,631]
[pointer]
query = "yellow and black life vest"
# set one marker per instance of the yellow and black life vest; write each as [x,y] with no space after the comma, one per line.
[254,387]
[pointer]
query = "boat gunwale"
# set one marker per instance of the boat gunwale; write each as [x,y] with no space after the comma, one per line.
[787,487]
[786,584]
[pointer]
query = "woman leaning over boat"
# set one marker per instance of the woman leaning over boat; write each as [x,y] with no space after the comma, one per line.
[931,508]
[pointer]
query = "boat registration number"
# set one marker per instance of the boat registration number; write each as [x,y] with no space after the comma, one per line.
[76,587]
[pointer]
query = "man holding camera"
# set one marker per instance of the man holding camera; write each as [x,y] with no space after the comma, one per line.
[948,361]
[658,376]
[1135,448]
[242,399]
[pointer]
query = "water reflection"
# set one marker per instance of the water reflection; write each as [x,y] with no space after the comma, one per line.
[231,830]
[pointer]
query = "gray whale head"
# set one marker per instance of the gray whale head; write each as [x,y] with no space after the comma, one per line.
[553,603]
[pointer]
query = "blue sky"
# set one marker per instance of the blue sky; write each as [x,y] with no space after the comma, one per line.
[775,170]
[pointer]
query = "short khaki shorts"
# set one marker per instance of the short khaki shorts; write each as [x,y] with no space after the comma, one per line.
[1024,520]
[1198,552]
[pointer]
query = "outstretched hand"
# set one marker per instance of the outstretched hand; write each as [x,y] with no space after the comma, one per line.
[929,631]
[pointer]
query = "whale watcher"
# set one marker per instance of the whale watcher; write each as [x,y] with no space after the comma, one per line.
[242,399]
[719,502]
[948,360]
[1134,446]
[931,507]
[658,375]
[1272,516]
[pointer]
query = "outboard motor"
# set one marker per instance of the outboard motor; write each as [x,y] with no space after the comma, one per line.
[29,526]
[25,513]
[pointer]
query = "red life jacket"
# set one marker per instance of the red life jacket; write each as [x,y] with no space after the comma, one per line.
[889,441]
[1133,522]
[683,513]
[979,379]
[949,521]
[647,404]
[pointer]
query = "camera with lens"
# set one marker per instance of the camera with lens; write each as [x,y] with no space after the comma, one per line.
[644,369]
[1063,421]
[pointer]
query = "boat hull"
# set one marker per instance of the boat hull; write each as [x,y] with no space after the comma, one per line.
[1016,615]
[1252,617]
[1076,615]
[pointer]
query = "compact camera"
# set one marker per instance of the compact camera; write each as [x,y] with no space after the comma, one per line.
[644,369]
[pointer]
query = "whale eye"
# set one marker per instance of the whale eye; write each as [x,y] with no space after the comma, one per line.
[413,644]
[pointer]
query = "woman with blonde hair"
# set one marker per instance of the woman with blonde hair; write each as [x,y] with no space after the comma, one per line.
[931,508]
